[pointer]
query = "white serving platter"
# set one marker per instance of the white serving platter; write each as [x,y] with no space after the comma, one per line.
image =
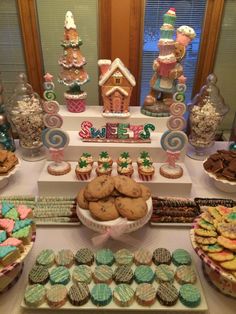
[112,306]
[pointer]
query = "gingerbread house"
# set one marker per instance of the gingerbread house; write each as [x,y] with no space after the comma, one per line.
[116,87]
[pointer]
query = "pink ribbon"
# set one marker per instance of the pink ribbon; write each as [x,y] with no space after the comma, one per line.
[57,154]
[116,232]
[172,157]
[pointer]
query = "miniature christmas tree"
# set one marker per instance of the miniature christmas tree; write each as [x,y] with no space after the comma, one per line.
[72,62]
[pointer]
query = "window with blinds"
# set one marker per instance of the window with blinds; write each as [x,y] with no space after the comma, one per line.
[225,63]
[51,16]
[188,12]
[11,48]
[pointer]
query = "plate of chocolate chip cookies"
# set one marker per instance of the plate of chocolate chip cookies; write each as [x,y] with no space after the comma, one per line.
[109,201]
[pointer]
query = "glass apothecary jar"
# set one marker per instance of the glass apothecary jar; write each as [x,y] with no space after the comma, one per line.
[206,112]
[25,113]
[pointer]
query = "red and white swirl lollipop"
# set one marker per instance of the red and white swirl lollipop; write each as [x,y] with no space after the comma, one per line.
[52,120]
[51,107]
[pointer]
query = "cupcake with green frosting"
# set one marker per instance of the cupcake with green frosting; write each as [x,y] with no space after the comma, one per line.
[83,170]
[104,169]
[125,169]
[104,157]
[87,157]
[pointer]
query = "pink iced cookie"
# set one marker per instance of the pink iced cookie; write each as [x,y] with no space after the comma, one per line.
[24,211]
[7,224]
[11,242]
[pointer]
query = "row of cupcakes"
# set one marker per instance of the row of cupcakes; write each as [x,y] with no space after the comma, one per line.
[146,169]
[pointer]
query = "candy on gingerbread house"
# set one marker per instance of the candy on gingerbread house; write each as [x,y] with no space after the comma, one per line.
[116,83]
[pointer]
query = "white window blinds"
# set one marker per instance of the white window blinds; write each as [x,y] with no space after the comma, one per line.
[11,48]
[225,63]
[188,12]
[51,16]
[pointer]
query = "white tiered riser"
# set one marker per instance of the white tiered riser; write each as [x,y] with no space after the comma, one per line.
[76,147]
[69,185]
[72,121]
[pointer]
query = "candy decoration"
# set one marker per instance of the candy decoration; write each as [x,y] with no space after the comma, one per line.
[181,88]
[173,141]
[55,138]
[136,130]
[177,109]
[48,85]
[57,154]
[51,107]
[172,157]
[175,123]
[96,133]
[179,97]
[146,134]
[52,120]
[111,130]
[49,95]
[122,130]
[85,132]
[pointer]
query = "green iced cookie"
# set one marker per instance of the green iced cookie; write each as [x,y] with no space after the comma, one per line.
[181,257]
[189,295]
[46,258]
[104,257]
[144,274]
[101,294]
[34,295]
[60,275]
[123,295]
[12,214]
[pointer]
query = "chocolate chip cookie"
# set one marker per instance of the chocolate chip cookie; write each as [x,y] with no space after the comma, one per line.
[131,208]
[127,186]
[81,200]
[99,187]
[104,209]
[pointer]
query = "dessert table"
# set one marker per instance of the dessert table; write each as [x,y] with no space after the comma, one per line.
[24,182]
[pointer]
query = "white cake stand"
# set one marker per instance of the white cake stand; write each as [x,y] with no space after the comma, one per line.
[102,226]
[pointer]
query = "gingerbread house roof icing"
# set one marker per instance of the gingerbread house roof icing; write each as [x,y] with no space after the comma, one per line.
[114,66]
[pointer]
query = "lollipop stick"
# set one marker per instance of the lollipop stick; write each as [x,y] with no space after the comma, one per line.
[57,154]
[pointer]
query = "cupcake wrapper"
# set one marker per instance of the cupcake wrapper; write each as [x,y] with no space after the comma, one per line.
[83,176]
[128,174]
[108,173]
[145,177]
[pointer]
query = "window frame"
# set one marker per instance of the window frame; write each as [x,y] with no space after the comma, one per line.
[33,54]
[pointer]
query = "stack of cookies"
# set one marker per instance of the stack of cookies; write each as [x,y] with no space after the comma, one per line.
[108,198]
[222,164]
[8,160]
[215,234]
[16,229]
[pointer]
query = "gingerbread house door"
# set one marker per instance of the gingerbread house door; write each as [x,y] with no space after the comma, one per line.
[117,102]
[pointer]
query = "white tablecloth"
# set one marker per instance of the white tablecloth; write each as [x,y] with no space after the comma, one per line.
[24,182]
